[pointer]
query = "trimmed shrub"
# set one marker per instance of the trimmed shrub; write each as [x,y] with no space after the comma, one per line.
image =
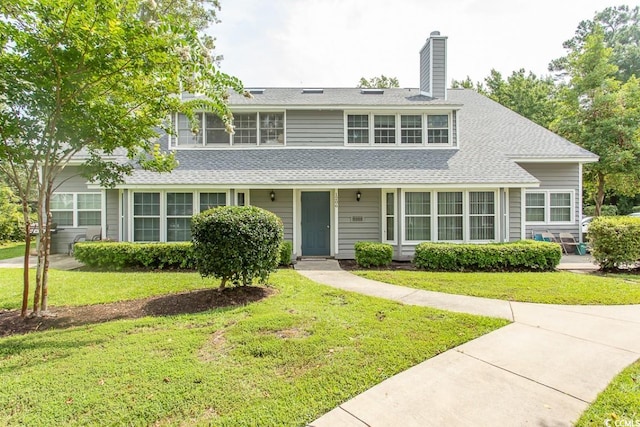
[237,243]
[373,254]
[525,255]
[605,210]
[118,255]
[286,249]
[615,241]
[635,209]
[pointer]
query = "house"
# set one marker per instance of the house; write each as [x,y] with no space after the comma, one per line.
[340,165]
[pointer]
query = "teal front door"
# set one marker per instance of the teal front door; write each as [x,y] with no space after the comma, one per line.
[316,223]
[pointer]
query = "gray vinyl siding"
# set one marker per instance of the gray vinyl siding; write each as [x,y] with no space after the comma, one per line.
[515,214]
[425,68]
[315,128]
[357,220]
[113,222]
[282,206]
[439,72]
[70,182]
[454,128]
[556,176]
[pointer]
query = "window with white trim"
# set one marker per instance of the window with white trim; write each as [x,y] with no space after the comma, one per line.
[384,129]
[438,129]
[417,216]
[358,129]
[212,200]
[482,215]
[179,213]
[146,217]
[411,129]
[261,128]
[389,214]
[76,209]
[450,216]
[549,207]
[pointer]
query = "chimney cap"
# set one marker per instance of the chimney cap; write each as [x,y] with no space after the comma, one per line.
[434,33]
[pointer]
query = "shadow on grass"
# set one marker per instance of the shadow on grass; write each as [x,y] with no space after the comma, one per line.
[166,305]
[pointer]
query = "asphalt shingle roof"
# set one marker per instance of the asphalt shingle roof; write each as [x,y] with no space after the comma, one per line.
[491,139]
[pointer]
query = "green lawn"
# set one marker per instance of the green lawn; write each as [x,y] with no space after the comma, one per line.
[619,402]
[11,250]
[281,361]
[549,288]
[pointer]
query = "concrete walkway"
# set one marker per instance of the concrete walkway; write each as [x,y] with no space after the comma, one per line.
[56,261]
[544,369]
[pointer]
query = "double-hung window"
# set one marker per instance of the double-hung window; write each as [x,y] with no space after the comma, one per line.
[146,217]
[358,129]
[417,216]
[189,132]
[411,129]
[438,129]
[215,131]
[76,209]
[212,200]
[271,128]
[450,217]
[549,206]
[384,129]
[179,212]
[482,215]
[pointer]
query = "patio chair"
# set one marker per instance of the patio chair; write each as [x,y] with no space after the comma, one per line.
[568,243]
[92,233]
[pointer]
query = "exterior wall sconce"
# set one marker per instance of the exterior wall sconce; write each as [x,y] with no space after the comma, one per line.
[358,196]
[272,195]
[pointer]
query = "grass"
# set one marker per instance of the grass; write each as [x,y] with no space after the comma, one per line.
[283,361]
[11,250]
[548,288]
[619,402]
[69,288]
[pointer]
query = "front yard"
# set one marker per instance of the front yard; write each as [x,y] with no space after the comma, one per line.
[547,288]
[11,250]
[283,360]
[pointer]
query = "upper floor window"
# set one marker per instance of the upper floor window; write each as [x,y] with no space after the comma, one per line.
[438,129]
[76,209]
[262,128]
[398,129]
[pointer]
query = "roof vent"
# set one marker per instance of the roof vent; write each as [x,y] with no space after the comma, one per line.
[434,34]
[313,90]
[372,91]
[256,91]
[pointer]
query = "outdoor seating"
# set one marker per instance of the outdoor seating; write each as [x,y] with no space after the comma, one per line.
[92,233]
[568,243]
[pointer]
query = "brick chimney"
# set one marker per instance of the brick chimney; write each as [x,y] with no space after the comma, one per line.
[433,66]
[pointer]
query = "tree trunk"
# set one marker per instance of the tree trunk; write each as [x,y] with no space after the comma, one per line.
[39,263]
[599,199]
[44,305]
[27,253]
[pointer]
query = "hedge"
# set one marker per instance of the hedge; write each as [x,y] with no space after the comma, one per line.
[286,249]
[525,255]
[373,254]
[118,255]
[615,241]
[605,210]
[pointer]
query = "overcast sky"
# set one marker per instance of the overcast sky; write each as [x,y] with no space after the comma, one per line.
[332,43]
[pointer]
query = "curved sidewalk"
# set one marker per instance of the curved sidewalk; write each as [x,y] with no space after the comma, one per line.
[544,369]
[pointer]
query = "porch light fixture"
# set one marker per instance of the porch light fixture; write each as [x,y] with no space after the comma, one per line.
[272,195]
[358,196]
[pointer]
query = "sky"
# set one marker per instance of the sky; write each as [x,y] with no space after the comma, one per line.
[333,43]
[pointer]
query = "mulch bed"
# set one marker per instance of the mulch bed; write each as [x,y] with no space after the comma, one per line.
[166,305]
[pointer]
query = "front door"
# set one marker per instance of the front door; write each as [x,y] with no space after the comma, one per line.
[316,223]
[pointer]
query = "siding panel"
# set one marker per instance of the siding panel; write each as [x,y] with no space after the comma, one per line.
[282,206]
[556,176]
[315,128]
[357,220]
[515,214]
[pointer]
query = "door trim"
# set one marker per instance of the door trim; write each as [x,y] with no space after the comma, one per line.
[297,219]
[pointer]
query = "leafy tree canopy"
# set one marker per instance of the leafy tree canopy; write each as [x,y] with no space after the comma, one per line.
[378,82]
[621,32]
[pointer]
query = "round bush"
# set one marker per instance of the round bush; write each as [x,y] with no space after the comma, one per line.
[615,241]
[237,243]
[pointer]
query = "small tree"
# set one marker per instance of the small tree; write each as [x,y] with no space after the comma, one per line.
[237,243]
[381,82]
